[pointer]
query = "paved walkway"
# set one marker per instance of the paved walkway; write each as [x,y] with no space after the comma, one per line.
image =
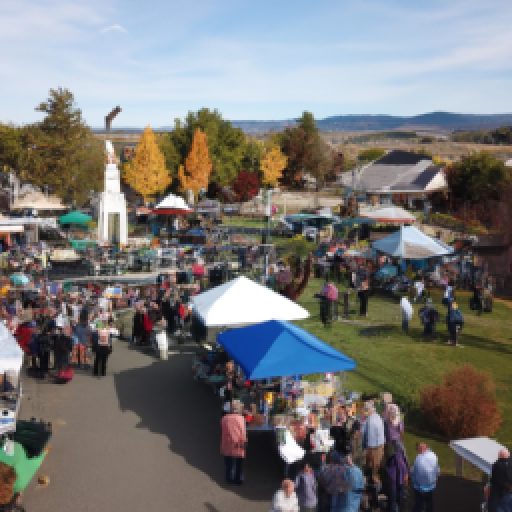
[144,438]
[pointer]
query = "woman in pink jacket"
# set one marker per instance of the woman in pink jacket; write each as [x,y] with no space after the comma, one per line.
[233,442]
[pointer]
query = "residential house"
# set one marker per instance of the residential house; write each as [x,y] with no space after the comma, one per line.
[399,177]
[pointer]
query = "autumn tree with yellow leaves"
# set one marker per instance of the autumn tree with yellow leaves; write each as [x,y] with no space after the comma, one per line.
[198,165]
[272,166]
[146,172]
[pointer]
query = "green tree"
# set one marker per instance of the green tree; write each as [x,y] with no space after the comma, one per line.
[306,152]
[146,172]
[226,144]
[61,152]
[10,147]
[171,155]
[253,153]
[476,178]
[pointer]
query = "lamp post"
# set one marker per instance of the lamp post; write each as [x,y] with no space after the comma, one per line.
[266,235]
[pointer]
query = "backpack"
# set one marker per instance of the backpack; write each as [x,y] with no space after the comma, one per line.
[456,317]
[433,315]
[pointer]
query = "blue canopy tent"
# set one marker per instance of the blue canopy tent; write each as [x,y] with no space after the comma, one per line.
[277,348]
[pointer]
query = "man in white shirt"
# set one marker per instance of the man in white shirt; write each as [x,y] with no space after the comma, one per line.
[285,500]
[419,286]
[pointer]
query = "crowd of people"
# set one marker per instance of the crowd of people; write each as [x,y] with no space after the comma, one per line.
[368,461]
[58,330]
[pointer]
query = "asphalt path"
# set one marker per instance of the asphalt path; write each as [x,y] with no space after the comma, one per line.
[143,438]
[146,438]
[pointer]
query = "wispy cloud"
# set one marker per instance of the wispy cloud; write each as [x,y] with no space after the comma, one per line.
[358,56]
[116,27]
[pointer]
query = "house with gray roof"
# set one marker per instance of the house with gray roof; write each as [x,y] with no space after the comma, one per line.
[398,177]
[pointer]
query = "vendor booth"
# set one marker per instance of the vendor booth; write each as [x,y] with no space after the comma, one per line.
[481,452]
[11,359]
[264,350]
[22,443]
[410,243]
[273,356]
[390,215]
[241,302]
[172,205]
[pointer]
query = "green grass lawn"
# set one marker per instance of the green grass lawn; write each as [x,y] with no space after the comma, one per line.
[388,360]
[245,222]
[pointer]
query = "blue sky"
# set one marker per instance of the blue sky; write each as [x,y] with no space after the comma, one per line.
[255,59]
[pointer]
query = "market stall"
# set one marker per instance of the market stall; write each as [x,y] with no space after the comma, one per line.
[390,215]
[411,243]
[241,302]
[272,356]
[11,359]
[263,351]
[481,452]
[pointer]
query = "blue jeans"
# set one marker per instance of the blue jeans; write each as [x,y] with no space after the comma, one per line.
[234,467]
[337,503]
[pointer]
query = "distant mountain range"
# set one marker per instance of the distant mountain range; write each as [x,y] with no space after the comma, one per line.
[432,121]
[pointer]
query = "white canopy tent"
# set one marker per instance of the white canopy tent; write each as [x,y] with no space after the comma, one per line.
[172,205]
[390,215]
[37,201]
[242,301]
[482,452]
[11,355]
[410,243]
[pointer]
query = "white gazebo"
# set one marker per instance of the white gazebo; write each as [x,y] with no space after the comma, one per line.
[241,302]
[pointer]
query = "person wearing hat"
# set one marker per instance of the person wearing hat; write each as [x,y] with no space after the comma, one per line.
[454,322]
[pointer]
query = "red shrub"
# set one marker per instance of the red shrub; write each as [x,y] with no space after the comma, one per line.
[464,405]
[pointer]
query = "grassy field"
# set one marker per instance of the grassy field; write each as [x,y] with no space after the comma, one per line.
[245,222]
[445,149]
[388,360]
